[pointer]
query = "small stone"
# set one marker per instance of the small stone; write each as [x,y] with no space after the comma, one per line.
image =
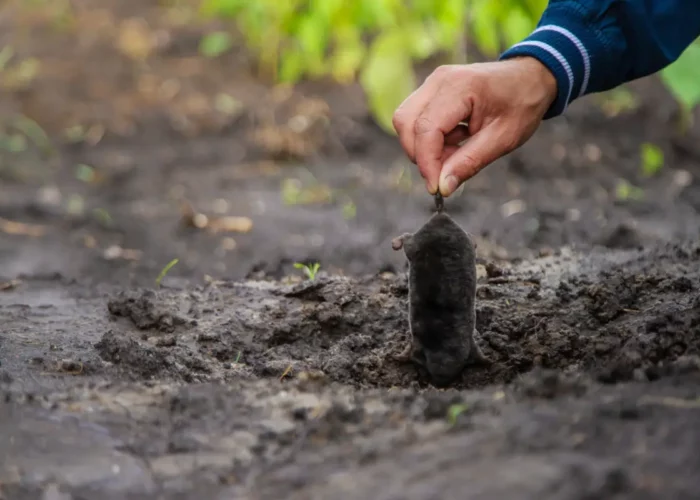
[513,207]
[113,252]
[592,152]
[49,195]
[682,178]
[200,221]
[228,244]
[69,365]
[166,341]
[558,152]
[493,271]
[208,337]
[220,206]
[546,252]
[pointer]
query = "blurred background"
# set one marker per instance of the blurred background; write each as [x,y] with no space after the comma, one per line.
[253,139]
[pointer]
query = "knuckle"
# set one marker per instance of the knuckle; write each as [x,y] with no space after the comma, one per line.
[511,141]
[476,83]
[443,70]
[398,120]
[423,125]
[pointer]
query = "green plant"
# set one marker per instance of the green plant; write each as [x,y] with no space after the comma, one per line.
[35,133]
[215,44]
[617,100]
[84,173]
[17,131]
[377,40]
[296,192]
[165,270]
[309,269]
[652,158]
[349,210]
[103,217]
[19,75]
[75,205]
[454,411]
[625,191]
[681,78]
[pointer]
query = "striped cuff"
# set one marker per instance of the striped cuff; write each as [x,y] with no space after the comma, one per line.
[567,44]
[565,55]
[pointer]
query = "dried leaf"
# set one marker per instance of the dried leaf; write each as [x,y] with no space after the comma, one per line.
[21,228]
[9,285]
[230,223]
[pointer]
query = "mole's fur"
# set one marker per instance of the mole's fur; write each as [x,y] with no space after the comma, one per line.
[442,293]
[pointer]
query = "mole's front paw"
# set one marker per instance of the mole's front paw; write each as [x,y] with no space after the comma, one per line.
[404,355]
[477,356]
[411,353]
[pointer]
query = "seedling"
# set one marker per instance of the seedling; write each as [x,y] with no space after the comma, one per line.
[454,411]
[5,55]
[617,101]
[652,159]
[286,372]
[85,173]
[103,217]
[75,204]
[294,192]
[309,269]
[215,44]
[626,191]
[75,134]
[33,131]
[349,210]
[165,270]
[14,143]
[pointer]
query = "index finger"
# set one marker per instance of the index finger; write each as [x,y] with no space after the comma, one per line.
[440,117]
[404,119]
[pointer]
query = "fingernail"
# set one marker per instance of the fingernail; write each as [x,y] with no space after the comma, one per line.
[448,185]
[430,188]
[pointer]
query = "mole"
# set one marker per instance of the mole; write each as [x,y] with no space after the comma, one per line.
[442,294]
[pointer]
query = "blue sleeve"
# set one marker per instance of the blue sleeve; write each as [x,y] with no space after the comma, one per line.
[595,45]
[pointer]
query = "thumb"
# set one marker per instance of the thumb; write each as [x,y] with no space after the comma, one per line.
[481,149]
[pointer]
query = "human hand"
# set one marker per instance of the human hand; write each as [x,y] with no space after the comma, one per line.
[503,103]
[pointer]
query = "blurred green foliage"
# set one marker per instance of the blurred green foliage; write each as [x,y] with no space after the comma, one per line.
[378,42]
[375,41]
[652,158]
[681,78]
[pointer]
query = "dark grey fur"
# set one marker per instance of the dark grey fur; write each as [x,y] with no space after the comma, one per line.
[442,294]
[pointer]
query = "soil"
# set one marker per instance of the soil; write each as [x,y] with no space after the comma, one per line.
[237,377]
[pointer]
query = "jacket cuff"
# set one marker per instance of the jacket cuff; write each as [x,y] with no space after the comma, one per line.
[567,44]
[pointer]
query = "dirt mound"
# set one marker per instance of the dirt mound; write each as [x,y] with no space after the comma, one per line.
[231,381]
[630,317]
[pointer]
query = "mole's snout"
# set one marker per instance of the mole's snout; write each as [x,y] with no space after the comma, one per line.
[398,242]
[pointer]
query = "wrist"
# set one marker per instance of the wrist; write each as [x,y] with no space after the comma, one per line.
[543,79]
